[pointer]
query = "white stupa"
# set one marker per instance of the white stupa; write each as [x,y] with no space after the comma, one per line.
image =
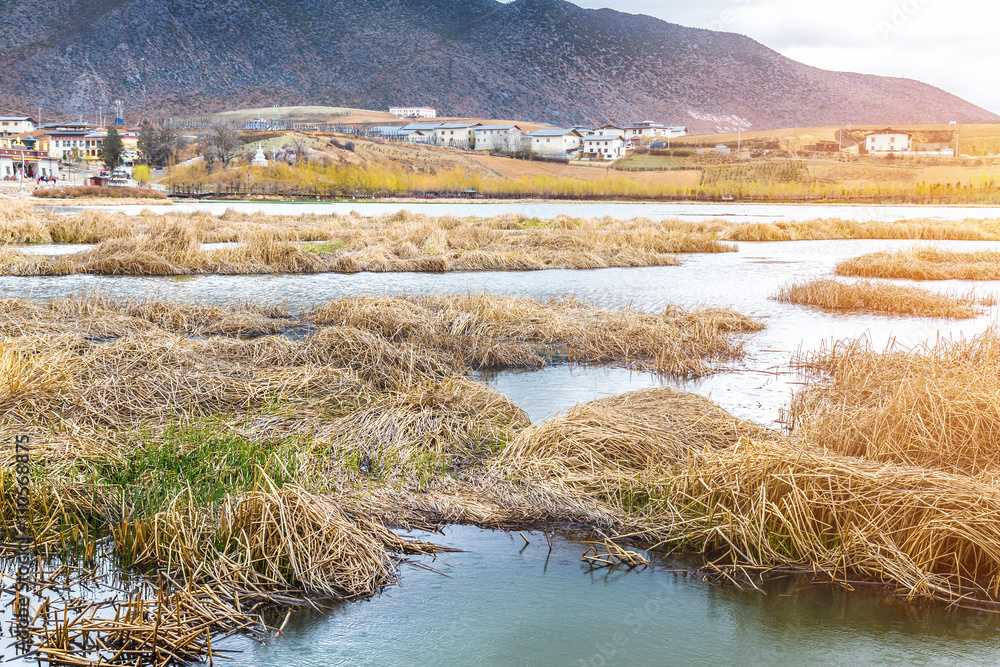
[258,159]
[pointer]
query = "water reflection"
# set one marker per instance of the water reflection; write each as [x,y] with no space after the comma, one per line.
[504,603]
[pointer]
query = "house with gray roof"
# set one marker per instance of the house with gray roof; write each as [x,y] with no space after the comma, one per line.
[556,141]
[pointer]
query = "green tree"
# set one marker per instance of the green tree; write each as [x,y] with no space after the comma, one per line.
[140,173]
[112,149]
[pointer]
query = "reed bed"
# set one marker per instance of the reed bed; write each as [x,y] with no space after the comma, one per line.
[90,191]
[19,224]
[495,331]
[269,541]
[930,535]
[924,264]
[175,627]
[614,451]
[934,406]
[881,298]
[171,244]
[835,228]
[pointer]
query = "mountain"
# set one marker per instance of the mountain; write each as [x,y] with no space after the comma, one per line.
[539,60]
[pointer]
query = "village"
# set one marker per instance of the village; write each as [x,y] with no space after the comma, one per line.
[70,152]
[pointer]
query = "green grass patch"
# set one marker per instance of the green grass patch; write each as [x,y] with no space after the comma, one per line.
[323,247]
[204,456]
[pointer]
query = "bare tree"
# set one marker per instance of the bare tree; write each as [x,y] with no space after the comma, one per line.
[508,143]
[220,143]
[160,145]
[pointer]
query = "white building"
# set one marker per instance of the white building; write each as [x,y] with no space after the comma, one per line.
[456,135]
[649,129]
[16,125]
[888,141]
[553,142]
[503,137]
[606,146]
[414,112]
[420,133]
[22,164]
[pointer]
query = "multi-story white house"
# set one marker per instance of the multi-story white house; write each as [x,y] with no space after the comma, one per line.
[606,146]
[649,129]
[16,125]
[558,141]
[888,141]
[414,112]
[456,135]
[502,137]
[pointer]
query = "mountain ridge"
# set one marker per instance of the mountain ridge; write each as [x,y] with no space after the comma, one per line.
[539,60]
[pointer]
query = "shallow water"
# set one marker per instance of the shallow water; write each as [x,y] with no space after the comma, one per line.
[507,603]
[504,606]
[547,210]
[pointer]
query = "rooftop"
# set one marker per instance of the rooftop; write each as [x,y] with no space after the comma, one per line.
[554,132]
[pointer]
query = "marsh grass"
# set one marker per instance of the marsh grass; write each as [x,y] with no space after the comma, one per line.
[933,406]
[615,451]
[487,331]
[171,244]
[95,191]
[927,534]
[881,298]
[924,264]
[834,228]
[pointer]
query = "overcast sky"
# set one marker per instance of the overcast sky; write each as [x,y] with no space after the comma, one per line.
[951,44]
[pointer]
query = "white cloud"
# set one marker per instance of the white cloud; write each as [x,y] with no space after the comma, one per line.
[949,44]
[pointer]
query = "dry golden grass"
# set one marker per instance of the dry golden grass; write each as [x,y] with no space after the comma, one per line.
[20,224]
[269,541]
[881,298]
[171,244]
[608,450]
[92,191]
[826,229]
[931,406]
[492,331]
[924,264]
[928,534]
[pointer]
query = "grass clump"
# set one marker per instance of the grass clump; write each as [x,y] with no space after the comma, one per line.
[615,450]
[828,229]
[924,264]
[880,298]
[927,534]
[91,191]
[497,331]
[271,541]
[933,406]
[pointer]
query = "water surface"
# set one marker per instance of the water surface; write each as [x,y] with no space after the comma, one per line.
[693,211]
